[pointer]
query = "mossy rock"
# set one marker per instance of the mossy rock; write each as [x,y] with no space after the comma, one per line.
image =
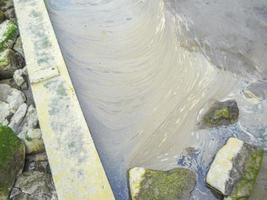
[8,34]
[12,156]
[2,16]
[221,114]
[148,184]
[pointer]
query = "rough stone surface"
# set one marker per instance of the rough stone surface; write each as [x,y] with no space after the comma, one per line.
[18,46]
[18,117]
[12,96]
[221,114]
[9,63]
[235,168]
[37,162]
[33,141]
[256,91]
[31,119]
[20,78]
[2,16]
[33,185]
[8,34]
[148,184]
[12,156]
[4,113]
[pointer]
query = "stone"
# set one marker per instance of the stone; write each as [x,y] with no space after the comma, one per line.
[10,13]
[31,119]
[37,162]
[234,169]
[33,185]
[13,97]
[221,114]
[4,113]
[2,16]
[20,77]
[8,34]
[175,184]
[33,141]
[6,4]
[18,117]
[12,156]
[18,46]
[9,63]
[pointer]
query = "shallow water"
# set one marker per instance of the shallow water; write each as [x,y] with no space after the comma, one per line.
[144,70]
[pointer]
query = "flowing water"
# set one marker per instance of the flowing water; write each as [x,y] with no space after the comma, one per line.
[145,70]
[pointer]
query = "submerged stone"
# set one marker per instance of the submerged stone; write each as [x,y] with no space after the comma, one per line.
[235,168]
[12,155]
[8,34]
[221,114]
[148,184]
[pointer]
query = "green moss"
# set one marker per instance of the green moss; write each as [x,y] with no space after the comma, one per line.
[244,187]
[221,113]
[12,154]
[9,34]
[175,184]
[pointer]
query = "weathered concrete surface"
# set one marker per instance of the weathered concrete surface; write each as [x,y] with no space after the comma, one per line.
[75,165]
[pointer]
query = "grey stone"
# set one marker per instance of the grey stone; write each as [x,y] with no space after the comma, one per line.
[20,77]
[2,16]
[33,141]
[37,162]
[31,119]
[235,168]
[4,113]
[12,156]
[17,118]
[256,91]
[35,184]
[18,46]
[9,63]
[151,184]
[13,97]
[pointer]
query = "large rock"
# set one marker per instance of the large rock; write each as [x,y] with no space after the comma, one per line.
[12,156]
[147,184]
[33,186]
[8,34]
[235,168]
[221,114]
[10,61]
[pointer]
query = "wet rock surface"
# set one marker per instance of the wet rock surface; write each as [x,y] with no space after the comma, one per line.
[235,168]
[147,184]
[12,156]
[221,114]
[18,114]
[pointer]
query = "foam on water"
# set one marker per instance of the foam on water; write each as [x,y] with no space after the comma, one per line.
[139,84]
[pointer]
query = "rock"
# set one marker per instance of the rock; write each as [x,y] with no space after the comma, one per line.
[20,78]
[148,184]
[4,113]
[235,168]
[221,114]
[8,34]
[2,16]
[18,117]
[256,91]
[10,13]
[9,63]
[31,119]
[12,155]
[33,141]
[13,97]
[37,162]
[18,46]
[33,185]
[6,4]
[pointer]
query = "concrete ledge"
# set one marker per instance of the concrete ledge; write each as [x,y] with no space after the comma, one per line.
[77,170]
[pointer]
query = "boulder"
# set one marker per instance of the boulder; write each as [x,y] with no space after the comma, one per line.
[8,34]
[33,185]
[221,114]
[33,141]
[4,113]
[18,117]
[234,169]
[175,184]
[12,156]
[10,61]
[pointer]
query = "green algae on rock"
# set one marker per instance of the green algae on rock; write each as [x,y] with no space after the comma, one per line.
[8,34]
[12,156]
[221,114]
[234,169]
[148,184]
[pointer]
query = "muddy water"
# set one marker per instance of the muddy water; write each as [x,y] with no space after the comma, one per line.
[144,70]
